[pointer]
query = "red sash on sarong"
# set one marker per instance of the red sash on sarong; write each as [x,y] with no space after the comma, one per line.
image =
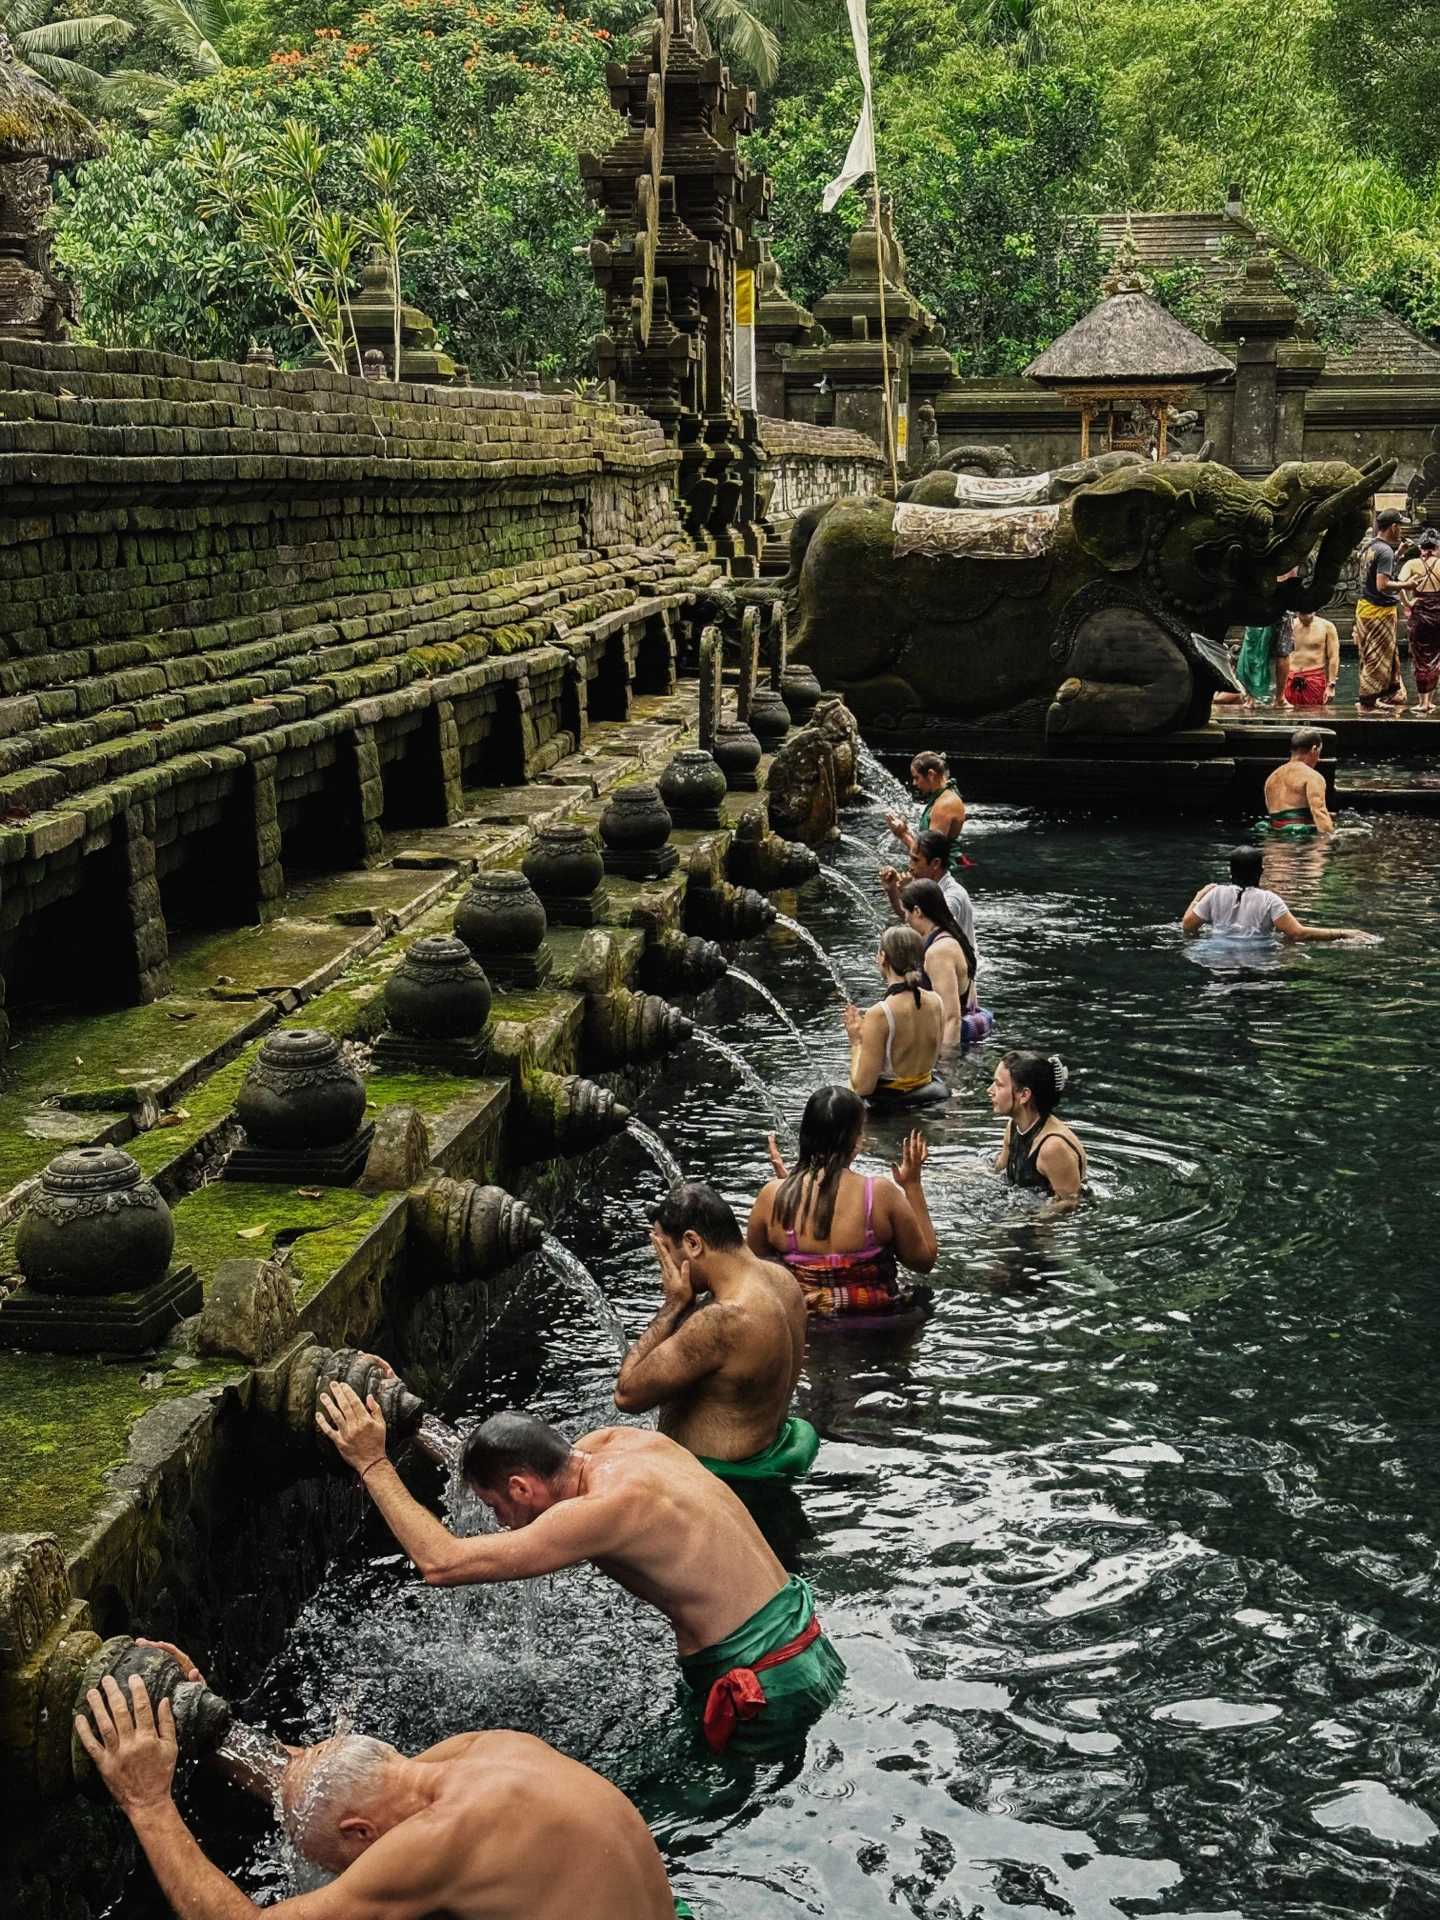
[738,1695]
[1306,689]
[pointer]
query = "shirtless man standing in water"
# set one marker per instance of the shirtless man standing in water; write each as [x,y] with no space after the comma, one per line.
[485,1826]
[647,1513]
[722,1356]
[1295,792]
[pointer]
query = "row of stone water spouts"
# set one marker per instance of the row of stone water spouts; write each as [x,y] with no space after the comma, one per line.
[96,1227]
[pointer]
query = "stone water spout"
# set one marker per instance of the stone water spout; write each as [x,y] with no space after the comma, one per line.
[621,1025]
[676,962]
[719,911]
[761,859]
[565,1113]
[467,1230]
[288,1393]
[202,1718]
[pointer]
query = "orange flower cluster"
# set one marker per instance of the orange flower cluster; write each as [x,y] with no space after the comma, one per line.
[292,59]
[357,51]
[327,33]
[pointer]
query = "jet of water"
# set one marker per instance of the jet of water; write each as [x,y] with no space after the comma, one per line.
[879,779]
[439,1440]
[806,938]
[255,1760]
[846,885]
[561,1261]
[711,1043]
[666,1165]
[860,846]
[757,986]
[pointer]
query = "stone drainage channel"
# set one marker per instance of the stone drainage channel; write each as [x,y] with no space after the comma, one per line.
[236,1220]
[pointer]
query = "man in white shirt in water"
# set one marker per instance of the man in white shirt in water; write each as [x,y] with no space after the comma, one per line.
[1243,906]
[929,860]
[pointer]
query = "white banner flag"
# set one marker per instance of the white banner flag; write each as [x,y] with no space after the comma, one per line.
[860,160]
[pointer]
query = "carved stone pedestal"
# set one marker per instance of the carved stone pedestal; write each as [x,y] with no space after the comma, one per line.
[106,1323]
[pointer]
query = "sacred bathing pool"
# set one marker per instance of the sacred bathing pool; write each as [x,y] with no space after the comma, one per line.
[432,818]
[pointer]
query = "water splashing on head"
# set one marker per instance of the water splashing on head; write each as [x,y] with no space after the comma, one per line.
[336,1799]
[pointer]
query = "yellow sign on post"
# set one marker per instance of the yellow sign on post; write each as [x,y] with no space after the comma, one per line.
[744,337]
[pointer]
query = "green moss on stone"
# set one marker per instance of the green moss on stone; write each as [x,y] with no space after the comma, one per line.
[65,1423]
[233,1219]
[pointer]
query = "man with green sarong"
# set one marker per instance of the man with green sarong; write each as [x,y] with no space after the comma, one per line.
[722,1356]
[647,1513]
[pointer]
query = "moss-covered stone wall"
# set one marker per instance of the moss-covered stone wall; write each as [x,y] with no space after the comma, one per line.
[250,619]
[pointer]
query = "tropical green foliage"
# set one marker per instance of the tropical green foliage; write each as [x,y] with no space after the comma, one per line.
[1000,125]
[491,104]
[51,42]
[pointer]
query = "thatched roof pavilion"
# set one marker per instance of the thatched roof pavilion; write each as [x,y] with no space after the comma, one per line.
[36,124]
[1126,353]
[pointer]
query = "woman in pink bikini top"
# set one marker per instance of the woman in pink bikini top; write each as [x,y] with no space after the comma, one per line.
[840,1233]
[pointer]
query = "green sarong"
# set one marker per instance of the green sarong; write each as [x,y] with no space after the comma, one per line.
[682,1912]
[1293,823]
[1255,662]
[797,1691]
[791,1454]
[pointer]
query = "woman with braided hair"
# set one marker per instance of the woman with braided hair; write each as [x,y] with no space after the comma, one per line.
[840,1233]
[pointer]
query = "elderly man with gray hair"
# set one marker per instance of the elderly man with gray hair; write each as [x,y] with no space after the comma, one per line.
[484,1826]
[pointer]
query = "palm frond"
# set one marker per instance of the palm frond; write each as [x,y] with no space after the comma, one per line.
[68,76]
[69,36]
[188,27]
[132,90]
[746,36]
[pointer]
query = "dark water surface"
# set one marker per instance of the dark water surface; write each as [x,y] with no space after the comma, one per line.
[1131,1549]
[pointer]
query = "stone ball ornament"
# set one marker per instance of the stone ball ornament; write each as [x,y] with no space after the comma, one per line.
[439,991]
[301,1092]
[96,1225]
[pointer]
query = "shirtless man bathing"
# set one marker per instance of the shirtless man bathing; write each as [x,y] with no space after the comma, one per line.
[722,1356]
[643,1510]
[485,1826]
[1295,792]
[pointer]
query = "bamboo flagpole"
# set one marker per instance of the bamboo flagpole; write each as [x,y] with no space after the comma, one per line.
[860,160]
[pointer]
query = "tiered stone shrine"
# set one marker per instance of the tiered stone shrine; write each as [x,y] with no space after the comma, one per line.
[674,257]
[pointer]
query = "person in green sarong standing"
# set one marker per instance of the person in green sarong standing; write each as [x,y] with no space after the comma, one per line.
[649,1515]
[721,1358]
[1260,665]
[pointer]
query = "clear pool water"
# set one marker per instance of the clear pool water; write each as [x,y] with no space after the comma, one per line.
[1131,1550]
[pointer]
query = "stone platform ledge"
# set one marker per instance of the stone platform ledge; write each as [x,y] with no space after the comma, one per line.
[344,1247]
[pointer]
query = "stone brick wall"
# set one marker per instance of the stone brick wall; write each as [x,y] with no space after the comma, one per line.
[247,615]
[808,464]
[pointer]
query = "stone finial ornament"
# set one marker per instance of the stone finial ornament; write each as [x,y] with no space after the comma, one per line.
[302,1107]
[635,828]
[565,866]
[503,922]
[94,1247]
[437,1003]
